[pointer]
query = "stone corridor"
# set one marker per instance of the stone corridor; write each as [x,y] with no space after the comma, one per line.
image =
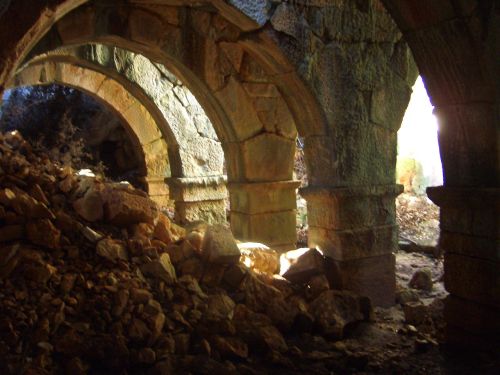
[214,94]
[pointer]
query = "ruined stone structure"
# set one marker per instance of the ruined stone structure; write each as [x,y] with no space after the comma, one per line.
[337,73]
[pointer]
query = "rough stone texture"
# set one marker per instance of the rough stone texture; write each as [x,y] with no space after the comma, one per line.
[372,277]
[257,198]
[259,257]
[123,207]
[275,229]
[201,198]
[219,246]
[309,264]
[351,55]
[334,310]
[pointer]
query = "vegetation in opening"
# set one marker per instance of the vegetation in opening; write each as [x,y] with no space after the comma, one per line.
[418,166]
[73,129]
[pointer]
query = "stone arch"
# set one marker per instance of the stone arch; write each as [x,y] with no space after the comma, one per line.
[139,124]
[455,46]
[197,183]
[241,95]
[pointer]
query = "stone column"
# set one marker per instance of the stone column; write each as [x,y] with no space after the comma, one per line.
[159,192]
[199,198]
[356,228]
[265,212]
[470,232]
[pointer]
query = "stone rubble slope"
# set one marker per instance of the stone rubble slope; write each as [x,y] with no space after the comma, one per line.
[95,279]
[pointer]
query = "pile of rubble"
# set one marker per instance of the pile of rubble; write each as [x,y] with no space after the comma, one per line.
[94,279]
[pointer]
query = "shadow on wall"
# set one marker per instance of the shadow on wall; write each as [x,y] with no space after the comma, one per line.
[419,161]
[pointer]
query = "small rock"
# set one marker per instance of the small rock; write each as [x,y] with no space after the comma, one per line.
[220,307]
[162,230]
[422,280]
[125,207]
[259,257]
[333,310]
[43,233]
[112,250]
[90,206]
[230,346]
[407,295]
[161,269]
[219,246]
[415,313]
[307,265]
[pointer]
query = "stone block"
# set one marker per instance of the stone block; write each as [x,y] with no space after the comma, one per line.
[121,100]
[142,123]
[389,102]
[468,141]
[324,170]
[145,27]
[371,277]
[253,198]
[219,246]
[268,157]
[478,247]
[124,208]
[344,208]
[239,108]
[276,228]
[79,77]
[213,212]
[157,186]
[472,278]
[309,264]
[163,201]
[201,156]
[354,243]
[77,25]
[197,189]
[470,323]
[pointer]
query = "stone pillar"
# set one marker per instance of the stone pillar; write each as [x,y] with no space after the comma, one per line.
[470,232]
[159,192]
[199,198]
[356,228]
[265,212]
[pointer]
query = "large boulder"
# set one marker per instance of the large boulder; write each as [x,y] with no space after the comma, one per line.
[124,207]
[305,266]
[219,246]
[260,258]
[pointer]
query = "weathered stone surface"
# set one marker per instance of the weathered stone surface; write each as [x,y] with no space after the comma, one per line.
[161,269]
[372,277]
[90,206]
[273,229]
[421,279]
[472,278]
[162,229]
[255,198]
[240,109]
[309,264]
[44,233]
[219,246]
[334,310]
[259,257]
[112,250]
[416,313]
[273,152]
[124,208]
